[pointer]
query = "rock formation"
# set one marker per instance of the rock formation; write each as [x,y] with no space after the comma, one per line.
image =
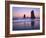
[24,16]
[32,14]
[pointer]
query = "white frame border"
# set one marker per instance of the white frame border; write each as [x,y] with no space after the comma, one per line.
[25,31]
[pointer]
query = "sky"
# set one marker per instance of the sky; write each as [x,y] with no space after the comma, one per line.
[20,11]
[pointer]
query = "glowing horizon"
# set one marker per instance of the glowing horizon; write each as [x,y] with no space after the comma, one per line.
[20,11]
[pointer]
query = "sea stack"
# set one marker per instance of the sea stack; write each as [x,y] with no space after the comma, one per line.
[32,14]
[24,16]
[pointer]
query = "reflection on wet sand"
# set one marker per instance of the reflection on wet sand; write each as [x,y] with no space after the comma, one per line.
[26,24]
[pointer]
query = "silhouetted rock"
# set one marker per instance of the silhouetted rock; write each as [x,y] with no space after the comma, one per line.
[32,14]
[24,16]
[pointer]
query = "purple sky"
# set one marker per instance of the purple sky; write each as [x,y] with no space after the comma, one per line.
[20,11]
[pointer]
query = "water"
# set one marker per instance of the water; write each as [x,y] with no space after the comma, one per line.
[26,24]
